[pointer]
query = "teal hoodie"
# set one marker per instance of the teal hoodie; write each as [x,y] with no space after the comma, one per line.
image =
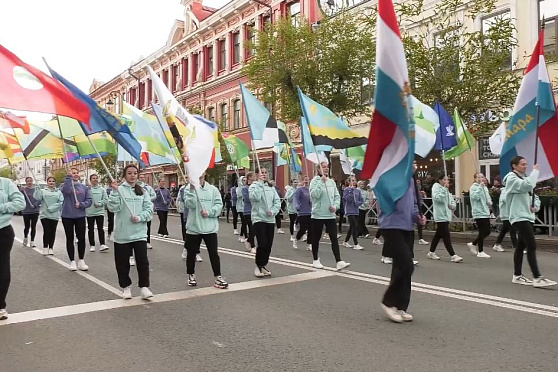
[125,230]
[52,200]
[211,202]
[480,201]
[322,199]
[442,201]
[518,198]
[100,199]
[502,205]
[149,190]
[365,200]
[289,196]
[261,206]
[11,201]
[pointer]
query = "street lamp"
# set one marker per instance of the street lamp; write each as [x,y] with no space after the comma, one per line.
[113,94]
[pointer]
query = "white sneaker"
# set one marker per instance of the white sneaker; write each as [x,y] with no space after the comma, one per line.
[45,251]
[3,314]
[247,246]
[82,266]
[280,231]
[165,236]
[482,255]
[317,264]
[377,241]
[295,244]
[326,237]
[33,245]
[498,248]
[366,236]
[184,253]
[149,246]
[393,314]
[146,293]
[51,252]
[127,293]
[235,232]
[160,235]
[92,249]
[192,280]
[338,236]
[358,247]
[293,238]
[73,266]
[520,279]
[432,256]
[415,262]
[198,258]
[387,260]
[109,237]
[242,240]
[423,242]
[347,244]
[253,250]
[309,247]
[472,248]
[304,237]
[455,258]
[25,241]
[103,248]
[132,261]
[405,316]
[258,272]
[342,265]
[265,271]
[542,282]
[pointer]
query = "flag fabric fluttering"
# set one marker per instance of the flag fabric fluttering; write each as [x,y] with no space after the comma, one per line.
[281,154]
[465,139]
[294,161]
[78,147]
[236,147]
[445,135]
[9,120]
[214,128]
[520,138]
[311,152]
[14,154]
[325,127]
[5,148]
[426,126]
[158,112]
[496,140]
[391,143]
[39,143]
[345,163]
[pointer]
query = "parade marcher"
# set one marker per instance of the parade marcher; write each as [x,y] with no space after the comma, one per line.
[240,209]
[506,225]
[51,203]
[521,212]
[228,204]
[279,215]
[363,210]
[325,201]
[234,199]
[247,213]
[352,199]
[77,198]
[205,206]
[162,203]
[110,218]
[265,206]
[289,198]
[377,238]
[480,205]
[30,213]
[132,207]
[443,205]
[303,207]
[181,201]
[96,214]
[11,201]
[341,210]
[151,192]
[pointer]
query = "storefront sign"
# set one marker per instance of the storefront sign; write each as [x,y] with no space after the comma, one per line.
[484,150]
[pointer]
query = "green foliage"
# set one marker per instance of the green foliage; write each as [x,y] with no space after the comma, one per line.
[8,172]
[110,161]
[59,175]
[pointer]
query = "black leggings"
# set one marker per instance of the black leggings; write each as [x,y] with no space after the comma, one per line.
[506,226]
[243,231]
[110,229]
[304,227]
[378,233]
[420,228]
[77,224]
[183,226]
[122,253]
[353,229]
[331,229]
[91,221]
[163,215]
[399,243]
[362,229]
[484,230]
[49,232]
[278,218]
[292,220]
[192,244]
[527,241]
[30,221]
[250,229]
[264,233]
[442,232]
[6,242]
[341,215]
[235,217]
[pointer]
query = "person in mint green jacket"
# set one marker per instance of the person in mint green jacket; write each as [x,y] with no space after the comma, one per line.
[521,209]
[51,205]
[289,197]
[240,210]
[132,208]
[149,190]
[96,214]
[325,201]
[204,205]
[265,205]
[11,201]
[506,225]
[480,206]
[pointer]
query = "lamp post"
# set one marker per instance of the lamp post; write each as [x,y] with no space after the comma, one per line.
[116,96]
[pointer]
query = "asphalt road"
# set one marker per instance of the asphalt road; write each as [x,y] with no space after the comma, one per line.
[468,316]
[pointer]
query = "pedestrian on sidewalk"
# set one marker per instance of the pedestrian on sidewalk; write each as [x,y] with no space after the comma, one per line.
[265,206]
[363,210]
[480,206]
[162,202]
[96,213]
[521,210]
[51,204]
[506,225]
[352,199]
[303,207]
[11,201]
[247,212]
[132,208]
[77,198]
[289,198]
[30,213]
[152,196]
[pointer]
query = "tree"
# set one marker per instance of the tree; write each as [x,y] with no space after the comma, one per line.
[110,161]
[59,175]
[8,171]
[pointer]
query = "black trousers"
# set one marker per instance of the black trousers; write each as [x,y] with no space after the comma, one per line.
[228,212]
[110,218]
[304,227]
[331,229]
[77,225]
[484,230]
[442,232]
[292,222]
[341,215]
[100,221]
[264,233]
[506,226]
[235,217]
[353,229]
[6,242]
[183,226]
[420,228]
[149,231]
[243,230]
[163,215]
[399,244]
[378,233]
[278,218]
[362,229]
[30,222]
[192,244]
[49,232]
[250,229]
[526,235]
[122,253]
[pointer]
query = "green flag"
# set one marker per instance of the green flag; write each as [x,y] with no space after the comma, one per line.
[235,146]
[465,139]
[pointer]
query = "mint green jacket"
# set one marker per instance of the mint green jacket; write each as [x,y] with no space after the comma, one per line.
[322,199]
[442,201]
[260,206]
[289,196]
[502,205]
[211,202]
[125,230]
[518,200]
[480,201]
[100,199]
[365,200]
[11,201]
[51,202]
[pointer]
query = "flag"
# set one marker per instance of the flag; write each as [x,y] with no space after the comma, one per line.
[345,163]
[11,121]
[27,88]
[236,147]
[325,127]
[214,128]
[426,125]
[281,154]
[5,148]
[244,162]
[282,130]
[496,140]
[390,151]
[14,150]
[445,135]
[158,111]
[521,130]
[313,153]
[39,143]
[465,139]
[355,155]
[294,161]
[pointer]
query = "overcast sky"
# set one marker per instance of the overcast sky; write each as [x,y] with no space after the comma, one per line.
[83,40]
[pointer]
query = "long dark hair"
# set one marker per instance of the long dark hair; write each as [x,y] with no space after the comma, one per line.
[137,188]
[515,161]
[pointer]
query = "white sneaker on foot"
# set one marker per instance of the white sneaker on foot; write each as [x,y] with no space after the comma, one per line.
[235,232]
[366,236]
[309,247]
[132,261]
[432,256]
[472,248]
[405,316]
[149,246]
[498,248]
[455,258]
[542,282]
[192,280]
[377,241]
[242,240]
[25,242]
[184,253]
[220,282]
[317,264]
[393,314]
[358,247]
[253,250]
[293,238]
[342,265]
[326,237]
[258,272]
[92,249]
[521,279]
[73,266]
[280,231]
[483,255]
[347,244]
[423,242]
[3,314]
[304,237]
[51,252]
[33,245]
[103,248]
[265,271]
[127,293]
[338,236]
[110,237]
[295,244]
[146,293]
[45,251]
[198,258]
[247,246]
[82,266]
[387,260]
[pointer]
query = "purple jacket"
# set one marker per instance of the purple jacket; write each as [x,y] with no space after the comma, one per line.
[163,199]
[352,199]
[405,214]
[301,201]
[32,205]
[246,199]
[233,196]
[83,194]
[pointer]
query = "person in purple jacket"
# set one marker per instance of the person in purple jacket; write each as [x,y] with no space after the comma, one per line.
[77,198]
[352,199]
[30,213]
[162,201]
[234,199]
[247,213]
[303,207]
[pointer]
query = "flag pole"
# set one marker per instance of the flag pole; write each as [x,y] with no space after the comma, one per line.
[321,168]
[411,113]
[260,169]
[66,156]
[538,118]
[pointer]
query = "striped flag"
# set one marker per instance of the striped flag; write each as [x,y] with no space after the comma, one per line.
[391,143]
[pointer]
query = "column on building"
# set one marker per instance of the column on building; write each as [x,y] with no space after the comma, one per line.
[228,51]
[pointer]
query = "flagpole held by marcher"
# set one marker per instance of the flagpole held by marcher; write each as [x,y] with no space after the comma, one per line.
[66,156]
[259,169]
[537,121]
